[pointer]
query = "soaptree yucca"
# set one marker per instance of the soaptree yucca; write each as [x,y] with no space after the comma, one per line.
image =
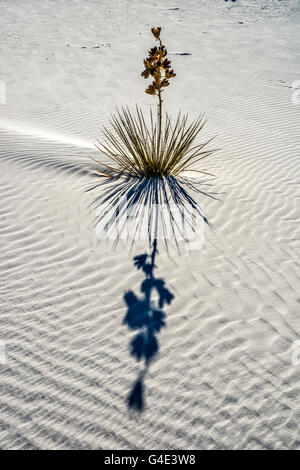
[153,146]
[146,164]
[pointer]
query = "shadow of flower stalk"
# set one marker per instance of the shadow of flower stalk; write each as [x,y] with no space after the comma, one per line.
[147,317]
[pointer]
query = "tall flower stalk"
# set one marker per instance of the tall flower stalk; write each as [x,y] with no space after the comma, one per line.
[158,66]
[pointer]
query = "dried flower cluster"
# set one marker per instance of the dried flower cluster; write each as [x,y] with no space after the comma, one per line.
[158,66]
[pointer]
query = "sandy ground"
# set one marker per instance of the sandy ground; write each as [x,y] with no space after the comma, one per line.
[228,369]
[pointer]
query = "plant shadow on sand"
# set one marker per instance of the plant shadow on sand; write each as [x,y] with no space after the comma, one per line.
[146,316]
[130,208]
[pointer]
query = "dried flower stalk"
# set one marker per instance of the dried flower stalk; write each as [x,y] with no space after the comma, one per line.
[158,66]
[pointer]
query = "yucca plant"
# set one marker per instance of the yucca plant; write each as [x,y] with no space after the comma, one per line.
[149,160]
[153,147]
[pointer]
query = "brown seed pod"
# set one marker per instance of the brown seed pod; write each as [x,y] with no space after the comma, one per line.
[156,32]
[166,64]
[170,73]
[164,82]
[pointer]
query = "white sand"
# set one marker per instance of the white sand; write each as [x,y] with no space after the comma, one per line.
[224,377]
